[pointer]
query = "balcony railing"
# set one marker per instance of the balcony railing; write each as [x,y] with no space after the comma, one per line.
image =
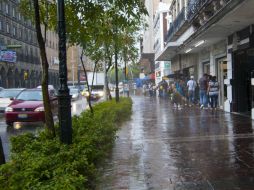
[177,24]
[194,7]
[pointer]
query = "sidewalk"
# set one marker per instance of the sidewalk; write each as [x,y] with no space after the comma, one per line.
[191,149]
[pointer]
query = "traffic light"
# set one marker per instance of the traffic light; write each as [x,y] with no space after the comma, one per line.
[25,75]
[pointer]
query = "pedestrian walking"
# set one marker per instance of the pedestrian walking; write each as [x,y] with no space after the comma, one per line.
[209,78]
[163,88]
[179,93]
[152,89]
[203,86]
[213,91]
[176,99]
[191,85]
[145,89]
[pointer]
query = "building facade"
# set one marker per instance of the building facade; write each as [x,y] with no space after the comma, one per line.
[215,37]
[152,40]
[18,35]
[74,65]
[161,24]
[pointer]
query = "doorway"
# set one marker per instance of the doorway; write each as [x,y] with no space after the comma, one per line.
[243,68]
[221,75]
[206,68]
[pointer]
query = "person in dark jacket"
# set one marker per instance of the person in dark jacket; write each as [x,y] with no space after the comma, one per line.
[203,86]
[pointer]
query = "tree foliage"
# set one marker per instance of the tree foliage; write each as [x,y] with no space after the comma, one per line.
[98,26]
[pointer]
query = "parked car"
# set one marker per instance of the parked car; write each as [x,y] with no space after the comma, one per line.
[49,87]
[74,92]
[28,107]
[7,96]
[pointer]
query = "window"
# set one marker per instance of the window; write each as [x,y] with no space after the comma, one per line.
[26,51]
[13,12]
[26,35]
[7,28]
[20,33]
[1,25]
[19,16]
[30,37]
[14,31]
[31,51]
[7,8]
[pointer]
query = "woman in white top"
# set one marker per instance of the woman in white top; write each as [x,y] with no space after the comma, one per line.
[213,91]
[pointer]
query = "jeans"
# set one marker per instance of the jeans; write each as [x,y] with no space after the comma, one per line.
[214,101]
[203,97]
[191,95]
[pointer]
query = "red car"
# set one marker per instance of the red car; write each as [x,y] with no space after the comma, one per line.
[28,107]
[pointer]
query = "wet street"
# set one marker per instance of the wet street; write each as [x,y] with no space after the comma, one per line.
[190,149]
[18,128]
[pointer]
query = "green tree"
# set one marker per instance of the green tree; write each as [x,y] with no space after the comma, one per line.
[90,24]
[36,10]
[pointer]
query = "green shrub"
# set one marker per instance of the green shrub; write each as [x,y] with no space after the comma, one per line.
[38,162]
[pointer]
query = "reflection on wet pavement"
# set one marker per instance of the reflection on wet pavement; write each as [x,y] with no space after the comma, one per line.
[18,128]
[162,149]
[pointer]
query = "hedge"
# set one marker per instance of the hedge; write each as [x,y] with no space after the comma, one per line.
[38,162]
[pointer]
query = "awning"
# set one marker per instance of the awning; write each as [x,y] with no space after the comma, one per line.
[175,75]
[169,51]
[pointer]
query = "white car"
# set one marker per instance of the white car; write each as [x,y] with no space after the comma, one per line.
[74,92]
[7,96]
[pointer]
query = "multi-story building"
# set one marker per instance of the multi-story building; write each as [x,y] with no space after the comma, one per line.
[74,65]
[161,24]
[215,37]
[146,44]
[152,40]
[24,69]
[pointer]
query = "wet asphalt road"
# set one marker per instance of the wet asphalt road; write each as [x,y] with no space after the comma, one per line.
[18,128]
[191,149]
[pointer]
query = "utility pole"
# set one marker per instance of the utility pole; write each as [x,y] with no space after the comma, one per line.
[64,98]
[125,73]
[72,63]
[116,66]
[105,82]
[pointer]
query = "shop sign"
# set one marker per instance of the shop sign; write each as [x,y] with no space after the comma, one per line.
[8,56]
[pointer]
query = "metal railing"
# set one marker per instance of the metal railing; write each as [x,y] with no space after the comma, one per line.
[194,7]
[177,23]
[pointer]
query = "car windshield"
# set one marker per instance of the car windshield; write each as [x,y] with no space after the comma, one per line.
[9,93]
[74,91]
[30,95]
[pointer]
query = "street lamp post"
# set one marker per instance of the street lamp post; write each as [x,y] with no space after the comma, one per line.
[2,158]
[64,98]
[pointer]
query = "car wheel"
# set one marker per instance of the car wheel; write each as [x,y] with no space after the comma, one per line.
[9,123]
